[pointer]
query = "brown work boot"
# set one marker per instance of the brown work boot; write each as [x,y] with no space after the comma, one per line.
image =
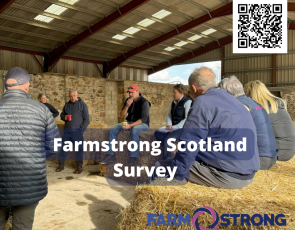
[78,170]
[59,168]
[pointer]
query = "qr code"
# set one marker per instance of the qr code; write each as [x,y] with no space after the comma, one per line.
[259,26]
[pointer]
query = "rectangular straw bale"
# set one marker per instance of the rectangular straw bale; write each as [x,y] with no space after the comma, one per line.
[271,192]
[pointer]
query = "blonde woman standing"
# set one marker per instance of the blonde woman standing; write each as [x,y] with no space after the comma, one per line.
[280,119]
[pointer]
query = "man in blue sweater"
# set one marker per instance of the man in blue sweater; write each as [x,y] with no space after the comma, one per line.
[216,117]
[266,140]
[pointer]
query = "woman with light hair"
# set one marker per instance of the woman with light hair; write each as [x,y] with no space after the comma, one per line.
[280,119]
[42,98]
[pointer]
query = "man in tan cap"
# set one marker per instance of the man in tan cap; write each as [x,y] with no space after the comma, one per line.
[138,120]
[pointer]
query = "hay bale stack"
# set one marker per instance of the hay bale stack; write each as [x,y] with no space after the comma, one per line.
[271,192]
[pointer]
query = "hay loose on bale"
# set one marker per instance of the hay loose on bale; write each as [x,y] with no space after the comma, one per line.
[271,192]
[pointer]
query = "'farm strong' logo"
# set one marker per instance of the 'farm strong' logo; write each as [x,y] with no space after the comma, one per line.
[224,220]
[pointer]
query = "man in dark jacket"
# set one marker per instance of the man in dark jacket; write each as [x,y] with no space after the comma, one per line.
[76,117]
[217,115]
[266,140]
[27,132]
[138,120]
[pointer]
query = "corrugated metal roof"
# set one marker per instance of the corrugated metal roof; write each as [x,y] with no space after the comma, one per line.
[28,16]
[86,12]
[182,7]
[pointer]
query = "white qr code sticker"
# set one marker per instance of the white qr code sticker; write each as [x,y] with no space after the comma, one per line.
[260,26]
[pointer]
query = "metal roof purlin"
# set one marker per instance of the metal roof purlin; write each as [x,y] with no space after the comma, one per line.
[212,46]
[57,53]
[79,9]
[193,23]
[291,6]
[4,4]
[32,10]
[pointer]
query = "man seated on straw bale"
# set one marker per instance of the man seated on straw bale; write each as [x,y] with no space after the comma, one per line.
[138,120]
[215,117]
[266,140]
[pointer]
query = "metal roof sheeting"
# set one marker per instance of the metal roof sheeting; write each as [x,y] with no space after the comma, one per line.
[19,19]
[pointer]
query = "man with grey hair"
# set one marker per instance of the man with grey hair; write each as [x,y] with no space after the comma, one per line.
[232,85]
[215,117]
[27,132]
[76,118]
[265,137]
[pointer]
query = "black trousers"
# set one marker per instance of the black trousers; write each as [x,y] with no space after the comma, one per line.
[72,137]
[163,137]
[22,217]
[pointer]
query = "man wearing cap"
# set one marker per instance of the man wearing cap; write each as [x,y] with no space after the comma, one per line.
[76,117]
[27,132]
[138,120]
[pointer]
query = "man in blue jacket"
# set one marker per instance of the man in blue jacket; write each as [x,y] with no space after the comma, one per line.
[266,140]
[218,115]
[76,117]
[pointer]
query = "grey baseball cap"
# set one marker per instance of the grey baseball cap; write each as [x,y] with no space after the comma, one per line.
[20,75]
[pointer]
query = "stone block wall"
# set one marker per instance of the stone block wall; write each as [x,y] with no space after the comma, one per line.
[158,94]
[111,115]
[104,98]
[287,93]
[56,87]
[53,86]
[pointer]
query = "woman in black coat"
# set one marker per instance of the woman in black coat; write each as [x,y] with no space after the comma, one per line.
[42,98]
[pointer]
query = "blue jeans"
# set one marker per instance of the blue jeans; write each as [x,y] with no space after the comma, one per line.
[163,137]
[134,136]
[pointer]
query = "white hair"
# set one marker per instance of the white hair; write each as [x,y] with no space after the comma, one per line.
[203,77]
[233,86]
[72,90]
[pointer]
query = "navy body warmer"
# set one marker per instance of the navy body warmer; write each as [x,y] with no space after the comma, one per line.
[134,111]
[178,111]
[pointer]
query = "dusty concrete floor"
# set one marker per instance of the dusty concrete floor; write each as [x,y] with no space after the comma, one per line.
[84,201]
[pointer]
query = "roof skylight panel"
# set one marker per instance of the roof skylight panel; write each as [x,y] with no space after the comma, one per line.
[70,2]
[169,48]
[43,18]
[161,14]
[55,9]
[119,37]
[182,43]
[146,22]
[209,31]
[131,30]
[194,38]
